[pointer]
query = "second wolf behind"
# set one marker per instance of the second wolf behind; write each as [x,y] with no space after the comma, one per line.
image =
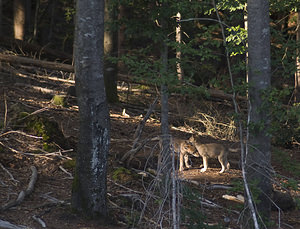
[212,150]
[182,148]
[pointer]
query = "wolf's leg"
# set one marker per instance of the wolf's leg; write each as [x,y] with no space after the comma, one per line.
[181,161]
[205,165]
[186,161]
[223,161]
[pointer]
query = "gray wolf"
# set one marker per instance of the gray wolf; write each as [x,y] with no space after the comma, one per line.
[182,148]
[211,150]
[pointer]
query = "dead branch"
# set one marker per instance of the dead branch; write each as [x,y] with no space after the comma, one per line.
[238,198]
[51,199]
[66,172]
[8,225]
[23,193]
[20,132]
[141,125]
[137,135]
[39,63]
[39,220]
[9,174]
[209,187]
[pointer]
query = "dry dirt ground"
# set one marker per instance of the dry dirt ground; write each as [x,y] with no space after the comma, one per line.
[50,198]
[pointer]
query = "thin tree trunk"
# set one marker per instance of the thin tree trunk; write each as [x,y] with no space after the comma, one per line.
[27,16]
[178,51]
[165,151]
[89,186]
[258,150]
[1,18]
[297,73]
[110,69]
[36,15]
[19,19]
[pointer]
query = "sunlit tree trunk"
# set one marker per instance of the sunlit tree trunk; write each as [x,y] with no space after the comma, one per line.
[89,185]
[258,155]
[178,51]
[19,19]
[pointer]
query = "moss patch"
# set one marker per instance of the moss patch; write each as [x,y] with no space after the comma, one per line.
[42,127]
[59,100]
[123,175]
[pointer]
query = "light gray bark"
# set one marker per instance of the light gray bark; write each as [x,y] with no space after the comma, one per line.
[89,187]
[258,151]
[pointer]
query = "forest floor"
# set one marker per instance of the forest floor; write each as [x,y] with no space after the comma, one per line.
[22,100]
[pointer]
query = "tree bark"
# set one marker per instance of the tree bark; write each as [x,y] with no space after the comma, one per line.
[179,68]
[258,155]
[164,122]
[89,187]
[110,50]
[19,19]
[1,17]
[297,73]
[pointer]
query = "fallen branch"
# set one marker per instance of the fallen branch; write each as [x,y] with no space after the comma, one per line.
[8,225]
[40,221]
[66,172]
[39,63]
[20,132]
[137,135]
[51,199]
[238,198]
[23,193]
[209,187]
[9,174]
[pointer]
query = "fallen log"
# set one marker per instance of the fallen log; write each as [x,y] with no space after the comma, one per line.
[29,47]
[39,63]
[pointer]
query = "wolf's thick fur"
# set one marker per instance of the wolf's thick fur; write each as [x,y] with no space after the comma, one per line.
[183,149]
[212,150]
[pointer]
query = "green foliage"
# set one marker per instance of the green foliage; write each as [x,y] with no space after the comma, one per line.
[191,212]
[288,163]
[238,186]
[236,40]
[231,5]
[202,53]
[285,126]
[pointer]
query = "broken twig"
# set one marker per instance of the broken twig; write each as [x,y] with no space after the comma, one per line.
[23,193]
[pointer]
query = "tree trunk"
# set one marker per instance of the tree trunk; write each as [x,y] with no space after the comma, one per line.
[178,51]
[258,155]
[89,186]
[110,49]
[19,19]
[1,18]
[165,151]
[36,15]
[297,73]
